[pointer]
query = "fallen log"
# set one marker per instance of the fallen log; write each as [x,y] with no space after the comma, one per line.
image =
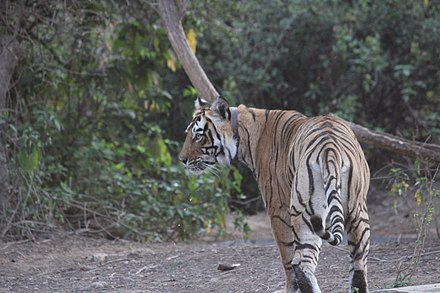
[412,149]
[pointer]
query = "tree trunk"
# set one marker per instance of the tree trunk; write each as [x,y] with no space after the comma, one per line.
[172,12]
[8,62]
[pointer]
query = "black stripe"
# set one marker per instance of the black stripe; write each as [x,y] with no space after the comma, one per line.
[298,194]
[287,125]
[282,221]
[357,256]
[309,225]
[324,147]
[311,185]
[301,246]
[296,212]
[266,113]
[334,195]
[360,220]
[279,116]
[249,148]
[329,181]
[252,113]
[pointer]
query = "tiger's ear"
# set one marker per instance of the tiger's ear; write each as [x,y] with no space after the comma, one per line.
[221,106]
[201,104]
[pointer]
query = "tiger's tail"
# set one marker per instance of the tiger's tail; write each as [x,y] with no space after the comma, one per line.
[331,173]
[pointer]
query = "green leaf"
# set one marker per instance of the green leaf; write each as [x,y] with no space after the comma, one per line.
[29,160]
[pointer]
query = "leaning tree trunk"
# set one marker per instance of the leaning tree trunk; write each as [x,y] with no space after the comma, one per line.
[172,12]
[8,62]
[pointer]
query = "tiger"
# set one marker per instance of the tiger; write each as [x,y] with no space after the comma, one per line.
[312,175]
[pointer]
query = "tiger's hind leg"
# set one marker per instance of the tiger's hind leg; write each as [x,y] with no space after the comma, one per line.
[299,250]
[358,234]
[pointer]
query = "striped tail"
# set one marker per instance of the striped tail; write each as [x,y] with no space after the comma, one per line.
[332,184]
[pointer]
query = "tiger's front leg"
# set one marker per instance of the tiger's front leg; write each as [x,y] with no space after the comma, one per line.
[282,232]
[306,243]
[307,247]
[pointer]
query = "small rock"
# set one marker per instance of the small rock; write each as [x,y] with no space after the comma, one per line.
[100,257]
[98,285]
[226,267]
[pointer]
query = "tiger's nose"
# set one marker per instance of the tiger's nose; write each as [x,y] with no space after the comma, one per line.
[184,160]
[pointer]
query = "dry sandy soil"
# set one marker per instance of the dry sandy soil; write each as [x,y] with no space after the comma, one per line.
[75,263]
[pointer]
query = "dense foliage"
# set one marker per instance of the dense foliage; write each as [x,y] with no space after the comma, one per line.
[99,105]
[86,129]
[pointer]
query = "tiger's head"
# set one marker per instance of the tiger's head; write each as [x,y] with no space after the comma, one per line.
[211,137]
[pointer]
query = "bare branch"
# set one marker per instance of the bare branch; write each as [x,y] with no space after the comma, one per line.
[172,12]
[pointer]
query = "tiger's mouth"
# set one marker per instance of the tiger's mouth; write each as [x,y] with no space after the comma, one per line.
[198,167]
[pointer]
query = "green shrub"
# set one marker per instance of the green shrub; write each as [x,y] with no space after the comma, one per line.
[89,137]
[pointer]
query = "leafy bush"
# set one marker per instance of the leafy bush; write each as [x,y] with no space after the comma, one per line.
[418,191]
[89,138]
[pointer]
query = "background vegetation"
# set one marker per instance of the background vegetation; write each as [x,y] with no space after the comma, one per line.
[95,117]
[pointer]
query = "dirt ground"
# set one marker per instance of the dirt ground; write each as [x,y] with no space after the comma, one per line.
[66,262]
